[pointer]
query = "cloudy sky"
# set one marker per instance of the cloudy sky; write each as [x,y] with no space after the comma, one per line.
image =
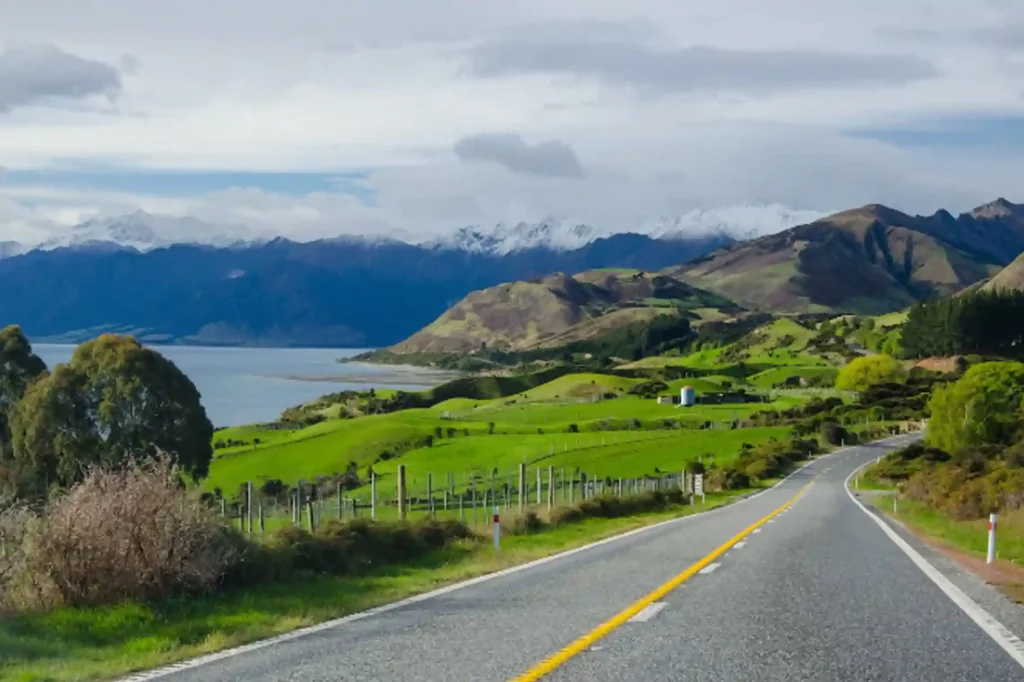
[312,118]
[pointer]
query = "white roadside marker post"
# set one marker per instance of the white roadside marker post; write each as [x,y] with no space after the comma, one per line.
[991,558]
[497,531]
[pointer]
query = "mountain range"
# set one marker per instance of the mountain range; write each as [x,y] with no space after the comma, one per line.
[868,260]
[341,292]
[234,287]
[144,232]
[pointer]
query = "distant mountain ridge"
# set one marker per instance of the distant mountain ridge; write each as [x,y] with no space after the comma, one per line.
[868,260]
[353,291]
[144,232]
[732,223]
[872,259]
[341,292]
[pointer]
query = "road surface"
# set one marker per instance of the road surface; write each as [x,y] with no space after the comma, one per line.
[818,592]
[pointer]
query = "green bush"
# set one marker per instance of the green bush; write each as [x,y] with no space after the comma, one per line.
[834,433]
[610,506]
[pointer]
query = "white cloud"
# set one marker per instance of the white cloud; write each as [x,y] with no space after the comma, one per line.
[670,106]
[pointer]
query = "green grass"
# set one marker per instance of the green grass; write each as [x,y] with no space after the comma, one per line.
[100,643]
[559,415]
[321,449]
[770,377]
[891,319]
[967,536]
[608,454]
[576,386]
[526,426]
[781,342]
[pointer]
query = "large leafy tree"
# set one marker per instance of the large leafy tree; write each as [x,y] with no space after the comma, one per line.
[869,370]
[115,399]
[19,367]
[984,407]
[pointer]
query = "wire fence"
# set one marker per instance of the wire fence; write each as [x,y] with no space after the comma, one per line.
[469,497]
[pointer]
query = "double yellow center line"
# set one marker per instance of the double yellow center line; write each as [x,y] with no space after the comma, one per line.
[557,659]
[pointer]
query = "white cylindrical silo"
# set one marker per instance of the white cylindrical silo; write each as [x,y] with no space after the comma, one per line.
[687,396]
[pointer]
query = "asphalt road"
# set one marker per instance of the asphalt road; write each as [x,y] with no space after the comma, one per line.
[817,593]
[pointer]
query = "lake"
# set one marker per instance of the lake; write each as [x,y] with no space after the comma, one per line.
[246,385]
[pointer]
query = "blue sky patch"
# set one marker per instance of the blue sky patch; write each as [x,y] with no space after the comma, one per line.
[990,133]
[190,183]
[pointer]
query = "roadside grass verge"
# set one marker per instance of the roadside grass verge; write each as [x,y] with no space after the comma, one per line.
[100,643]
[967,536]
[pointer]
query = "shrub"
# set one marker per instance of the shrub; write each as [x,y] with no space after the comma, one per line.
[524,524]
[127,533]
[728,478]
[834,433]
[15,523]
[357,545]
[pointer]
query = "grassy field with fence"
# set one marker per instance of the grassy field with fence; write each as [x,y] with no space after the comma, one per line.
[464,478]
[479,433]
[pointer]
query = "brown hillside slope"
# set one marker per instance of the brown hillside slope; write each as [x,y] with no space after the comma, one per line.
[552,311]
[1010,277]
[868,260]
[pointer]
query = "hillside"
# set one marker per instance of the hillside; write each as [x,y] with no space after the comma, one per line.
[1010,277]
[338,292]
[869,260]
[556,310]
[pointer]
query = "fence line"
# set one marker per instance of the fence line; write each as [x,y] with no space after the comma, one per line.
[528,489]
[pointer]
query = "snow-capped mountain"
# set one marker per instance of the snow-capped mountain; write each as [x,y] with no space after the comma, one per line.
[502,239]
[144,232]
[742,222]
[563,234]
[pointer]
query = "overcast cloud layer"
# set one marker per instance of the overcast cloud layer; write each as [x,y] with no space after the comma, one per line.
[309,118]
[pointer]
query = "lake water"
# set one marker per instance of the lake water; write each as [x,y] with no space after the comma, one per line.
[246,385]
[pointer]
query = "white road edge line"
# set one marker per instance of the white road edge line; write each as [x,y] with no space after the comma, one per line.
[1000,634]
[648,612]
[189,664]
[709,569]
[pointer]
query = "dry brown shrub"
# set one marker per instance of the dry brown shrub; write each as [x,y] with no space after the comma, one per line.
[128,533]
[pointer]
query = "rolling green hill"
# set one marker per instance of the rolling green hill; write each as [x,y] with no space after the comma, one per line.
[574,414]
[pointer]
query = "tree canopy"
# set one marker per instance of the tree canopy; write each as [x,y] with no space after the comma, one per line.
[19,366]
[114,400]
[984,323]
[984,407]
[869,370]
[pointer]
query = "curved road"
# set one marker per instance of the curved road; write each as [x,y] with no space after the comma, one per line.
[818,592]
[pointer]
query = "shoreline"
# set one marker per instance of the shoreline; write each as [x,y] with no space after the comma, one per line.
[409,375]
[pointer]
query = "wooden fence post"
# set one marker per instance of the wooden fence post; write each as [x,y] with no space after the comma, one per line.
[401,492]
[551,487]
[522,486]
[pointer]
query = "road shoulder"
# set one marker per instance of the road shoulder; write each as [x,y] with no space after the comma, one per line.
[988,597]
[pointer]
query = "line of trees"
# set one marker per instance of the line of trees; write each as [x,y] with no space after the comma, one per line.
[982,323]
[114,401]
